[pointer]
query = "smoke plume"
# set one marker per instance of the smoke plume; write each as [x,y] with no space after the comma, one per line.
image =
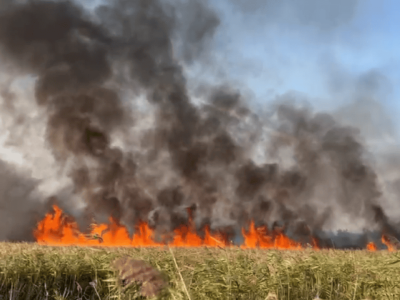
[122,124]
[20,204]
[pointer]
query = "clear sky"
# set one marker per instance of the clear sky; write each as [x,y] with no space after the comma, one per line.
[333,52]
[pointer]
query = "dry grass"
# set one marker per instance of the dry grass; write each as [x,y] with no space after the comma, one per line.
[29,271]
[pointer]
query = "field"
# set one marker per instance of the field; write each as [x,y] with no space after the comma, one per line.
[30,271]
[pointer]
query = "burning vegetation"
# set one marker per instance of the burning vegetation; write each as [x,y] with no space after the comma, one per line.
[57,230]
[142,163]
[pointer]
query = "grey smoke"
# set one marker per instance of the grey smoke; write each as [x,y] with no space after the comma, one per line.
[21,205]
[197,155]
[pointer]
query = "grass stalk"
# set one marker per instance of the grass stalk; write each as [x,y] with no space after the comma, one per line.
[179,272]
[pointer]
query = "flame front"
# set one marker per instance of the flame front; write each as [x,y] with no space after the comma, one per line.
[57,230]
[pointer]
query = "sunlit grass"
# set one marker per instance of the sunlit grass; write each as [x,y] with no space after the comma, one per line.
[30,271]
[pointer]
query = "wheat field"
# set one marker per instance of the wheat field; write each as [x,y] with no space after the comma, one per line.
[31,271]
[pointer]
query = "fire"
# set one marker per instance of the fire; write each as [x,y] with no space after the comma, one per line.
[371,246]
[390,242]
[57,230]
[261,238]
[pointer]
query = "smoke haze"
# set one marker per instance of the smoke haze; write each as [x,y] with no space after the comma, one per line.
[124,135]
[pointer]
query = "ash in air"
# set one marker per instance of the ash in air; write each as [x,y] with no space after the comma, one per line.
[122,123]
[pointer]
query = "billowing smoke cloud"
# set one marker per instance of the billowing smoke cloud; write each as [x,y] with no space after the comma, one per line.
[92,71]
[20,204]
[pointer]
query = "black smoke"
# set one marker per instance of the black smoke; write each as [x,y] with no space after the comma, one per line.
[87,63]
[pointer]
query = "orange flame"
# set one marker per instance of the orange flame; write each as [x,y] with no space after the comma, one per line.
[261,238]
[57,230]
[386,241]
[371,246]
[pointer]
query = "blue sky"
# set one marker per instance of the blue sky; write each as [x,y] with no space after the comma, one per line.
[331,51]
